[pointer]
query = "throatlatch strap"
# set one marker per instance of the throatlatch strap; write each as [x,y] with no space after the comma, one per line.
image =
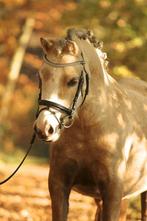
[81,81]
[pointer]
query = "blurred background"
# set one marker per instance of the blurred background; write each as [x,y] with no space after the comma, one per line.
[121,25]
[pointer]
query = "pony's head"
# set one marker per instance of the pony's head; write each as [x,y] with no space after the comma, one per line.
[63,87]
[64,80]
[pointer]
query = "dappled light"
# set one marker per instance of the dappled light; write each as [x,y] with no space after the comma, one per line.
[121,25]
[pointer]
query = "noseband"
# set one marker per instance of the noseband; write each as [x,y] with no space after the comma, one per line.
[69,112]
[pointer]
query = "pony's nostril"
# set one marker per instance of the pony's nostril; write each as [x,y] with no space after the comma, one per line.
[51,130]
[40,134]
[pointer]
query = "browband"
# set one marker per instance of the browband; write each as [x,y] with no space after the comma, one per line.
[59,65]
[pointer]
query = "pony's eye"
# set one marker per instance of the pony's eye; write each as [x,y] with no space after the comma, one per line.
[72,82]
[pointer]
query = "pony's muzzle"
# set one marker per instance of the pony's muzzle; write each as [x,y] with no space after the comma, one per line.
[47,126]
[43,135]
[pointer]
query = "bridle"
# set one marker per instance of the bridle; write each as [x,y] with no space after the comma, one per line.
[47,105]
[68,112]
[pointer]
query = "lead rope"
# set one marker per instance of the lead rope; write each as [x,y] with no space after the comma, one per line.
[29,149]
[15,171]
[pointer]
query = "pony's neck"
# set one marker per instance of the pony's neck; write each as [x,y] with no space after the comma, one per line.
[100,81]
[103,88]
[94,59]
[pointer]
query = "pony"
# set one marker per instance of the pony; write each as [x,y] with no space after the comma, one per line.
[97,126]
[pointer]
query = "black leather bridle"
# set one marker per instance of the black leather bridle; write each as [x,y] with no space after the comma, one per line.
[68,112]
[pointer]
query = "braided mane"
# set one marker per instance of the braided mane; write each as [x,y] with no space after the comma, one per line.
[91,38]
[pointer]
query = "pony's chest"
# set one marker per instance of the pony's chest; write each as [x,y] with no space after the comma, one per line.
[85,183]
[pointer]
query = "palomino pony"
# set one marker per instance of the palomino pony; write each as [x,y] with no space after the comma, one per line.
[104,152]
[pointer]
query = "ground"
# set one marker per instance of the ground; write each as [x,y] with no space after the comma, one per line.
[26,197]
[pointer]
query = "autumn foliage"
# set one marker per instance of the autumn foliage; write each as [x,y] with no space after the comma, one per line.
[121,25]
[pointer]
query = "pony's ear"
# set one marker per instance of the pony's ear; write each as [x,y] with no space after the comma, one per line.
[71,47]
[46,44]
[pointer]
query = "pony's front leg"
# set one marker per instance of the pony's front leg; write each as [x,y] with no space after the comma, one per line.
[59,194]
[61,179]
[111,195]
